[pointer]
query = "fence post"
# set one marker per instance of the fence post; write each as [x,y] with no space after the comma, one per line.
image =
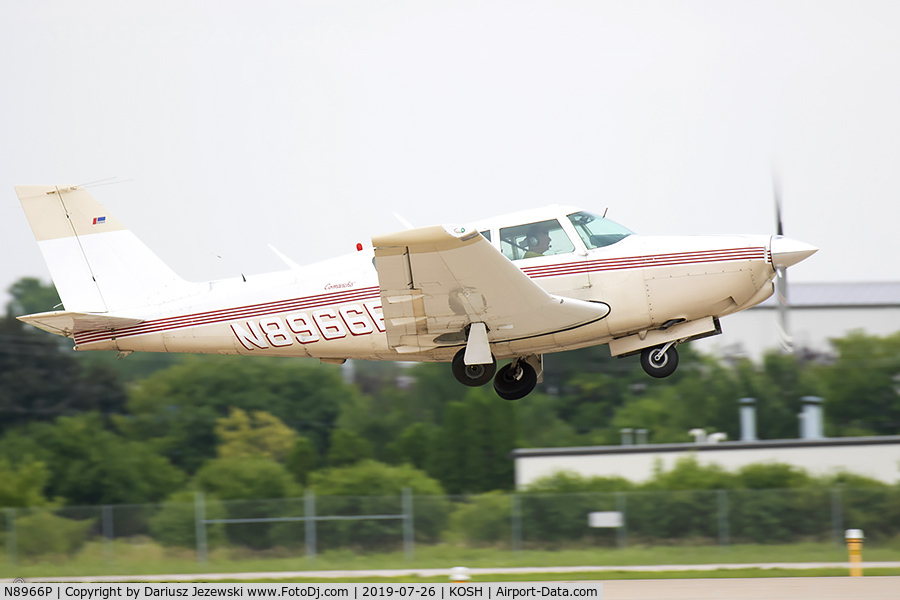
[406,501]
[621,532]
[12,543]
[516,525]
[724,533]
[107,518]
[200,526]
[837,516]
[309,512]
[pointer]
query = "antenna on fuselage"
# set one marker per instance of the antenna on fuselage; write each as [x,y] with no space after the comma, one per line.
[605,210]
[403,221]
[290,263]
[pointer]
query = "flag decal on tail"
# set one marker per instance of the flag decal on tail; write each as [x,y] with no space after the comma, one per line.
[99,220]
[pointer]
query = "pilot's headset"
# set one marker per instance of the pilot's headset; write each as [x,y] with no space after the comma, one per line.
[532,239]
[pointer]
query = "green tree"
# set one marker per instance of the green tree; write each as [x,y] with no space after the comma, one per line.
[23,484]
[251,488]
[175,524]
[862,387]
[484,519]
[371,478]
[372,488]
[89,464]
[176,409]
[413,445]
[772,476]
[688,474]
[567,482]
[39,381]
[244,478]
[30,295]
[470,452]
[347,448]
[386,411]
[258,434]
[302,459]
[40,532]
[539,425]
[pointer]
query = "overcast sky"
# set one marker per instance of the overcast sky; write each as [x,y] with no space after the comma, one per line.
[306,124]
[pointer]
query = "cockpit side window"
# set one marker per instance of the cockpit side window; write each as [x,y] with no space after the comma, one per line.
[544,238]
[597,232]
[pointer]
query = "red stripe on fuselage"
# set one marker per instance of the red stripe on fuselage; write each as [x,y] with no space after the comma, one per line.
[228,315]
[232,314]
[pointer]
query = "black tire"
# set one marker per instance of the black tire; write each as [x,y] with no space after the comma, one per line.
[472,375]
[659,367]
[515,380]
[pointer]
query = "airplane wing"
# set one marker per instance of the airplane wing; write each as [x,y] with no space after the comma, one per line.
[69,323]
[437,280]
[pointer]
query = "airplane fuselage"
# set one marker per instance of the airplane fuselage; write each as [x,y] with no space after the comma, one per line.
[333,311]
[514,287]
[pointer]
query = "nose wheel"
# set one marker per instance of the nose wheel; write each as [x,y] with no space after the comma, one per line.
[515,380]
[660,361]
[472,375]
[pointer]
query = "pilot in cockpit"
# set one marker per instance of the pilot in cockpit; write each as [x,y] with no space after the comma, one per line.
[537,242]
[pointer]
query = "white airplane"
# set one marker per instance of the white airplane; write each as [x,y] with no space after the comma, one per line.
[514,287]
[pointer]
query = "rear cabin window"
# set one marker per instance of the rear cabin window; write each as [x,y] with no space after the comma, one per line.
[543,238]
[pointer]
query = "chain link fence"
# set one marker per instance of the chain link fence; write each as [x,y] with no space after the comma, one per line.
[515,521]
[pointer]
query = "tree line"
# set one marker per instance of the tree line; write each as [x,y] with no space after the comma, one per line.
[87,429]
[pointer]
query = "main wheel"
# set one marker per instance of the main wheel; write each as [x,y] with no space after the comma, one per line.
[657,363]
[515,380]
[472,375]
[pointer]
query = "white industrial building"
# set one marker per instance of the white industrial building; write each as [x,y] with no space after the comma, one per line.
[875,457]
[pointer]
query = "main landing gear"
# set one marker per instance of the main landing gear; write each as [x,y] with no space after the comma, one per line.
[472,375]
[660,361]
[512,382]
[515,380]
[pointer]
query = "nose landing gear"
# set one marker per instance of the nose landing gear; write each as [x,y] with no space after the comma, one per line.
[660,361]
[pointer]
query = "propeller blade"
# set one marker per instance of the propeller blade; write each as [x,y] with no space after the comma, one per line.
[781,291]
[776,193]
[781,287]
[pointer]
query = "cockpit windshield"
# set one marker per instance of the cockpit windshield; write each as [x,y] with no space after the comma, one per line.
[597,232]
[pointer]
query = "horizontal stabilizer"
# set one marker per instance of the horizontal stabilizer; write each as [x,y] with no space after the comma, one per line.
[69,323]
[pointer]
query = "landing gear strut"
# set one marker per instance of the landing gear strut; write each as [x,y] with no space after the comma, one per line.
[472,375]
[660,361]
[515,380]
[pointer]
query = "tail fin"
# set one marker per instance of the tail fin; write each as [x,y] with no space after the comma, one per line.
[96,263]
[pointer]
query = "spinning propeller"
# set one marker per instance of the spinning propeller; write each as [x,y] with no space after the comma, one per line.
[785,252]
[781,287]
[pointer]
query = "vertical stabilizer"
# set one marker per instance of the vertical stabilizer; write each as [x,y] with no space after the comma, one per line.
[96,263]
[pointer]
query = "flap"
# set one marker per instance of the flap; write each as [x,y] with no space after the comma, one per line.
[69,323]
[435,281]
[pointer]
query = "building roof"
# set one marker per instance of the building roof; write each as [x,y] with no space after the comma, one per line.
[694,447]
[845,295]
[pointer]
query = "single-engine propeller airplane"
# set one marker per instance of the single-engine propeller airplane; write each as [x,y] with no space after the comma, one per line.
[513,287]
